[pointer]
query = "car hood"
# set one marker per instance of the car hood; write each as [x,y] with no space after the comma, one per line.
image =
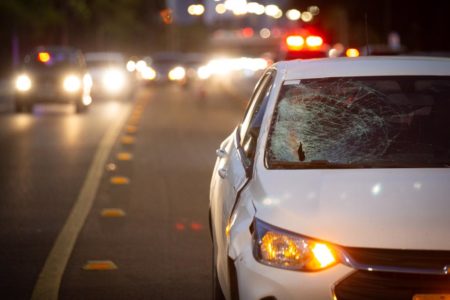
[377,208]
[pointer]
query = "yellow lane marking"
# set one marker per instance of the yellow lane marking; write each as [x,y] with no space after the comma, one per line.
[112,213]
[49,280]
[100,265]
[127,140]
[119,180]
[124,156]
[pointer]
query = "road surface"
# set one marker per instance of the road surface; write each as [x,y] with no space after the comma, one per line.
[144,233]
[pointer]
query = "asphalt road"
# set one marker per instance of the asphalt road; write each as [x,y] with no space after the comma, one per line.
[146,234]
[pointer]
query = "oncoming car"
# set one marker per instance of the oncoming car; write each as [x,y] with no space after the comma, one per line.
[336,183]
[55,75]
[109,74]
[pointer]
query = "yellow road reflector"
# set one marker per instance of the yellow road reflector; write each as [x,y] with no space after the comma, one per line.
[124,156]
[100,265]
[113,213]
[127,140]
[119,180]
[131,129]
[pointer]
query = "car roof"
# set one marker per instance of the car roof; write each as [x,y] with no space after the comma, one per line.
[104,56]
[364,66]
[56,49]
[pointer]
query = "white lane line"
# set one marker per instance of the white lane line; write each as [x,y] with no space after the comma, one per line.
[49,280]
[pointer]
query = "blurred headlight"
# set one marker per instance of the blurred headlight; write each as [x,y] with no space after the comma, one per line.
[148,73]
[204,72]
[140,65]
[113,80]
[177,73]
[87,81]
[23,83]
[278,248]
[131,66]
[72,83]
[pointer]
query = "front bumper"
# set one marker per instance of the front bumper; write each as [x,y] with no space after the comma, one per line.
[48,96]
[258,281]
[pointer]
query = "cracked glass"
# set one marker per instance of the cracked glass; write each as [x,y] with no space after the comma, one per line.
[361,122]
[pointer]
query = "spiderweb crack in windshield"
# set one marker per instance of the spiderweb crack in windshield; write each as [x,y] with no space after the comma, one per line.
[341,121]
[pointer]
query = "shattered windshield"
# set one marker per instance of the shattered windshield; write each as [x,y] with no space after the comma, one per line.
[362,122]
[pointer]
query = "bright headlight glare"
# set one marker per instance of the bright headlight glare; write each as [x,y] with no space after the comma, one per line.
[87,81]
[148,73]
[177,73]
[72,83]
[113,80]
[23,83]
[286,250]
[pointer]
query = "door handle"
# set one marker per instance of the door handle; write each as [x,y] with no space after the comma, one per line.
[221,153]
[223,173]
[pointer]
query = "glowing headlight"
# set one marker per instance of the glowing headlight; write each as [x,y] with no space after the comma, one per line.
[87,81]
[204,72]
[177,73]
[113,80]
[23,83]
[148,73]
[72,83]
[131,66]
[281,249]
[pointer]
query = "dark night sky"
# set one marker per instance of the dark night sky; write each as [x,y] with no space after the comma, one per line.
[423,25]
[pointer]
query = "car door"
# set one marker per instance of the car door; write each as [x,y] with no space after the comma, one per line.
[233,169]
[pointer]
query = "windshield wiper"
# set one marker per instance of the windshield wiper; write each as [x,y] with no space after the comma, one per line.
[315,164]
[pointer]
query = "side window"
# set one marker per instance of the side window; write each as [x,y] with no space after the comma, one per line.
[252,122]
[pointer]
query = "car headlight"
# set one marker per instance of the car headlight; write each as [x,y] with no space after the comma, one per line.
[72,83]
[204,72]
[282,249]
[148,73]
[87,81]
[177,73]
[23,83]
[113,80]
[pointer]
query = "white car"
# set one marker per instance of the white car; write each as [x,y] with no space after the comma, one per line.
[336,185]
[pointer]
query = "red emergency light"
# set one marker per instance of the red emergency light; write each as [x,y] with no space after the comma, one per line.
[299,42]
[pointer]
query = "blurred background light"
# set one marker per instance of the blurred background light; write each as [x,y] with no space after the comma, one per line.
[352,52]
[221,9]
[314,10]
[293,14]
[255,8]
[238,7]
[196,9]
[272,10]
[131,66]
[307,16]
[265,33]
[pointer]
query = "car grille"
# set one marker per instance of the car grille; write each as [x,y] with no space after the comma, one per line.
[365,285]
[422,261]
